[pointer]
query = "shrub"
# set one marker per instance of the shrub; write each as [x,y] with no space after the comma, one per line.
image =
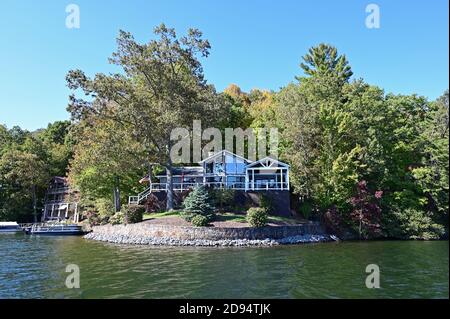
[105,209]
[223,198]
[198,202]
[257,216]
[332,220]
[305,209]
[186,216]
[93,217]
[153,204]
[117,218]
[133,213]
[415,224]
[199,220]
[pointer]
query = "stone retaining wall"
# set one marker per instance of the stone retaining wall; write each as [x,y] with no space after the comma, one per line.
[207,233]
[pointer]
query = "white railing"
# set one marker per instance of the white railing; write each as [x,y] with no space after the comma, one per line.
[257,186]
[265,185]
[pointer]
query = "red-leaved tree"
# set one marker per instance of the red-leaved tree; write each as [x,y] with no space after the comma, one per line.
[366,211]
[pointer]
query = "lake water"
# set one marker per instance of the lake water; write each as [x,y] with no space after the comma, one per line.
[34,267]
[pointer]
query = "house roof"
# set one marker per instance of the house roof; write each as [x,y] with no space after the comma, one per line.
[224,152]
[268,162]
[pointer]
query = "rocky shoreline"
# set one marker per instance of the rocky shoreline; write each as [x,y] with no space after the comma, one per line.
[170,235]
[167,241]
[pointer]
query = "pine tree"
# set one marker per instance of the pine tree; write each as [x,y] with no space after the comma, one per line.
[198,202]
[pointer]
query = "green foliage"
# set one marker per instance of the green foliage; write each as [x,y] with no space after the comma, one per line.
[200,220]
[162,88]
[412,223]
[199,202]
[103,154]
[27,162]
[186,216]
[323,60]
[134,213]
[223,198]
[257,217]
[306,209]
[335,133]
[117,218]
[104,208]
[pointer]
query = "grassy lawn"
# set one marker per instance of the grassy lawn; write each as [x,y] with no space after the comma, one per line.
[227,216]
[161,214]
[240,218]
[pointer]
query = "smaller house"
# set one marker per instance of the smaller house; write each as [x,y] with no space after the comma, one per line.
[61,202]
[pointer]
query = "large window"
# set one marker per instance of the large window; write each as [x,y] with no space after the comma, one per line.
[234,165]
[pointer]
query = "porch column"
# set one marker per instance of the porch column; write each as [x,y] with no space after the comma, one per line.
[246,180]
[253,179]
[287,178]
[281,181]
[75,215]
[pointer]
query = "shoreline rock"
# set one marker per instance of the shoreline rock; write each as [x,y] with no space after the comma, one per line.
[167,241]
[167,235]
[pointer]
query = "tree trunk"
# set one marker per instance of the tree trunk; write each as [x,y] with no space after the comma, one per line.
[169,190]
[150,173]
[33,190]
[117,195]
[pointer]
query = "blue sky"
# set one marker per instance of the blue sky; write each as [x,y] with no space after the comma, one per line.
[255,44]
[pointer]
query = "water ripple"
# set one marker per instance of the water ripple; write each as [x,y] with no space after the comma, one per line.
[34,267]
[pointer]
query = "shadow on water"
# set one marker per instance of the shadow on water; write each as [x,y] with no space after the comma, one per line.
[34,267]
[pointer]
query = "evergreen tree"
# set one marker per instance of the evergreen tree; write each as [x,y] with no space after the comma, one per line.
[323,60]
[198,202]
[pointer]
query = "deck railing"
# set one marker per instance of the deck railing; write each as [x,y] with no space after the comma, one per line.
[257,186]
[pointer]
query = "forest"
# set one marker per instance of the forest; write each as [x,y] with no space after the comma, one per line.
[361,158]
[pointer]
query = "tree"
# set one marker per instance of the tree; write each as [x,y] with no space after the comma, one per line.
[198,202]
[162,88]
[20,169]
[335,134]
[366,211]
[105,159]
[323,60]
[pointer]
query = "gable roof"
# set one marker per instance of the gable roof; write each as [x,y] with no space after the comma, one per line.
[225,152]
[268,162]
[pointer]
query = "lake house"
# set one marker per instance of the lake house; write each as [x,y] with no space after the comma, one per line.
[223,169]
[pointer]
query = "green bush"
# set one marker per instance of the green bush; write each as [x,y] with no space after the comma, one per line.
[200,220]
[198,202]
[187,216]
[257,216]
[417,224]
[117,218]
[134,213]
[223,198]
[305,209]
[105,209]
